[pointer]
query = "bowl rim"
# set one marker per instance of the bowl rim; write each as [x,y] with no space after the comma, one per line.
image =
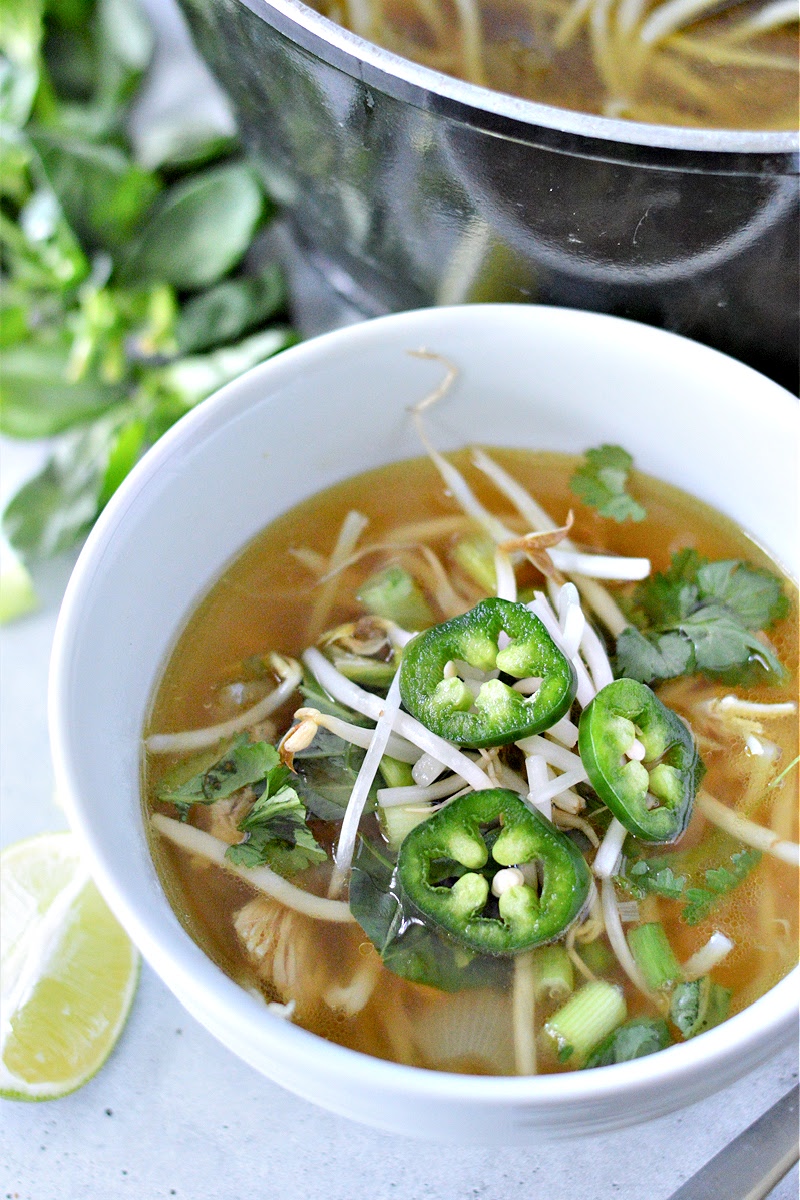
[448,96]
[765,1024]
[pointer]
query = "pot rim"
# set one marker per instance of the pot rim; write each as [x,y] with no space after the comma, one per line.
[499,112]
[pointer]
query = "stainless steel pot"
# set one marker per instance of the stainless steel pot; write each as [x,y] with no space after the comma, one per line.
[407,187]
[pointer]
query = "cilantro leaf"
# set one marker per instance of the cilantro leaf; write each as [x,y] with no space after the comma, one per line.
[634,1039]
[661,656]
[277,833]
[657,876]
[601,482]
[652,875]
[719,881]
[702,616]
[755,595]
[243,763]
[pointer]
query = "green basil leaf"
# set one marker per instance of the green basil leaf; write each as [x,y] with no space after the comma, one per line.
[122,456]
[407,946]
[50,512]
[199,230]
[124,47]
[37,399]
[40,248]
[70,55]
[20,38]
[325,774]
[102,193]
[230,310]
[193,378]
[183,139]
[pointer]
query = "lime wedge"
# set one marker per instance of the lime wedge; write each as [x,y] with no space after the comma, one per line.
[68,972]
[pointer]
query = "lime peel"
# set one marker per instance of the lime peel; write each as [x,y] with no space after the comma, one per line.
[69,972]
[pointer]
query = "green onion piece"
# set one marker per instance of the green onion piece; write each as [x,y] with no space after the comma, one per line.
[370,672]
[597,955]
[395,595]
[586,1019]
[699,1005]
[398,820]
[654,958]
[634,1039]
[554,974]
[396,774]
[475,556]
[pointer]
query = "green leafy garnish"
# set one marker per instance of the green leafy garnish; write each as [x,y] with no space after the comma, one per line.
[702,616]
[719,881]
[275,828]
[601,482]
[243,763]
[634,1039]
[407,946]
[699,1005]
[658,876]
[653,875]
[276,831]
[124,301]
[325,774]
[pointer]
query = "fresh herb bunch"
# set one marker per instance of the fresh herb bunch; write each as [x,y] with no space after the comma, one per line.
[124,302]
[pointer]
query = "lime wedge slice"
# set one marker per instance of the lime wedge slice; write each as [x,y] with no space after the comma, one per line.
[68,972]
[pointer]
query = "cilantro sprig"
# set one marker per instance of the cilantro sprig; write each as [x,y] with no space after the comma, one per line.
[601,482]
[276,831]
[658,876]
[275,827]
[702,616]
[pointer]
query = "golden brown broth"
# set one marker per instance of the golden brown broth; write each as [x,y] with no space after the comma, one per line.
[694,78]
[263,602]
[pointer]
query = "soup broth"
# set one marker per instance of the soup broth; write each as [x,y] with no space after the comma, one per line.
[328,974]
[690,64]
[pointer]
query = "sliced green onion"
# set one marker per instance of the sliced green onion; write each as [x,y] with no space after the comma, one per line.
[395,773]
[370,672]
[653,955]
[395,595]
[588,1017]
[398,821]
[554,973]
[699,1005]
[475,556]
[597,955]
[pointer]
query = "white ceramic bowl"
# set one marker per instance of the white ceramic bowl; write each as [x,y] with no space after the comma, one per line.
[539,377]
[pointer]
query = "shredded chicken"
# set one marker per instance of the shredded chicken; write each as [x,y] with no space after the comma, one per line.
[283,947]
